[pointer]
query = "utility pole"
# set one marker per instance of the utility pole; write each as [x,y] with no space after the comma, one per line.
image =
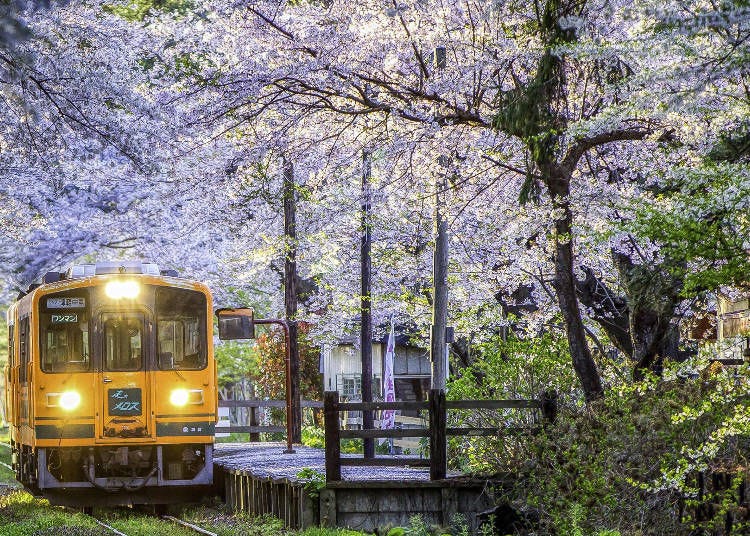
[366,302]
[290,296]
[438,351]
[438,335]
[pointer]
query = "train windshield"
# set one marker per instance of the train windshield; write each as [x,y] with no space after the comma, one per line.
[123,341]
[64,332]
[181,329]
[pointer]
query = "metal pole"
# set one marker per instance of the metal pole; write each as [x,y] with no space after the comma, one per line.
[287,359]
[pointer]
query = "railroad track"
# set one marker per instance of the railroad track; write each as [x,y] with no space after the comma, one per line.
[196,528]
[191,526]
[6,445]
[110,528]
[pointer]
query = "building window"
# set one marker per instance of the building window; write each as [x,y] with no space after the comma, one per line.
[350,385]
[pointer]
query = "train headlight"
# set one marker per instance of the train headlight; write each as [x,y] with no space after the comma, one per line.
[69,400]
[179,397]
[118,290]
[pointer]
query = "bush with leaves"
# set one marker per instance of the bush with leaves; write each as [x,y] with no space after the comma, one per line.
[507,369]
[631,462]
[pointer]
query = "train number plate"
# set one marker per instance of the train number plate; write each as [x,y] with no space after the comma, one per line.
[66,303]
[124,402]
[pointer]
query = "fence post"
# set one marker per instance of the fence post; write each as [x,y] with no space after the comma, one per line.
[549,406]
[254,436]
[333,442]
[438,440]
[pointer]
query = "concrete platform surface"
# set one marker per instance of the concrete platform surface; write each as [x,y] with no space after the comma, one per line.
[267,460]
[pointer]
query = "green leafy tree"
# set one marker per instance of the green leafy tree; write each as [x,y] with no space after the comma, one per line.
[235,361]
[700,221]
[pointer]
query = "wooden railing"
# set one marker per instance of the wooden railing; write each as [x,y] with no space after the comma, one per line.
[437,430]
[254,428]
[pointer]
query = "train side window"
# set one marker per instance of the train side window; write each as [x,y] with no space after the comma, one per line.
[24,348]
[181,329]
[11,346]
[123,341]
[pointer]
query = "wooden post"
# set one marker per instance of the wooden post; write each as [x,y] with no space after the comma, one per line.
[333,441]
[438,440]
[254,436]
[549,406]
[290,295]
[366,305]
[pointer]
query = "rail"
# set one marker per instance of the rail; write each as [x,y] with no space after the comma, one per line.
[437,430]
[254,429]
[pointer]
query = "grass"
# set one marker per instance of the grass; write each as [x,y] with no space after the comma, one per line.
[21,514]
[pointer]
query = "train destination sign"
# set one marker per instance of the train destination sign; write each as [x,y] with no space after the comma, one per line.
[66,303]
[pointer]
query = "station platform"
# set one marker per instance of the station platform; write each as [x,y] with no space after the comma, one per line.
[259,478]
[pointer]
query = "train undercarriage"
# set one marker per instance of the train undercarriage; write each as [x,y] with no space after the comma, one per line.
[116,474]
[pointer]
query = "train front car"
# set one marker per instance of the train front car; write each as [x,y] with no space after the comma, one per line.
[117,365]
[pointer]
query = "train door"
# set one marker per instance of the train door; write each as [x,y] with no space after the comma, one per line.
[125,410]
[23,376]
[11,409]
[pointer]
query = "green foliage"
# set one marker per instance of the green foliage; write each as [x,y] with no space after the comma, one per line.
[235,360]
[528,111]
[511,369]
[623,465]
[139,10]
[417,527]
[313,436]
[700,221]
[733,146]
[313,481]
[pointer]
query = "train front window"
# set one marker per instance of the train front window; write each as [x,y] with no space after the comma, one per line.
[64,332]
[181,329]
[123,341]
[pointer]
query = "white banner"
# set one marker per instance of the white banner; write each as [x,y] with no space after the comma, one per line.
[388,417]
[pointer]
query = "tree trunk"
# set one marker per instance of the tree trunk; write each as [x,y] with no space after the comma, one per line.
[607,309]
[653,295]
[565,286]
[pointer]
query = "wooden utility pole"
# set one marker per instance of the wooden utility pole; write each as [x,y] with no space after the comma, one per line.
[438,350]
[290,294]
[366,303]
[438,353]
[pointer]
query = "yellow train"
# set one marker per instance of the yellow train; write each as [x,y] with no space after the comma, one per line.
[111,386]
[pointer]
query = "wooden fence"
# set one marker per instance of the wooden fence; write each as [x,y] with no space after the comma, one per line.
[254,428]
[437,430]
